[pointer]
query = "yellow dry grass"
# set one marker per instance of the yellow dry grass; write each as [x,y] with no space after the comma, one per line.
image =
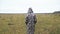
[15,24]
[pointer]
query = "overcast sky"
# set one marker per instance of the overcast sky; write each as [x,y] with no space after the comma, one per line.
[21,6]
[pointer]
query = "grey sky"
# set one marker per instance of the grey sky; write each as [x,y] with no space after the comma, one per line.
[21,6]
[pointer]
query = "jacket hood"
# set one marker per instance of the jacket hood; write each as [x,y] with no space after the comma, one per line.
[30,10]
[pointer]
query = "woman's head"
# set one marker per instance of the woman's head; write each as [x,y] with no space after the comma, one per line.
[30,10]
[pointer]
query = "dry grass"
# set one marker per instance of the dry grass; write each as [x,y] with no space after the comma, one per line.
[15,24]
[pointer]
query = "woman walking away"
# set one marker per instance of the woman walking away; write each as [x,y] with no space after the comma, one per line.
[30,21]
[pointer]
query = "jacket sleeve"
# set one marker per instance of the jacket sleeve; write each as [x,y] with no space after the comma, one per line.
[26,20]
[35,19]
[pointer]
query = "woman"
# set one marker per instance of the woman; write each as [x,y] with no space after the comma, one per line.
[30,21]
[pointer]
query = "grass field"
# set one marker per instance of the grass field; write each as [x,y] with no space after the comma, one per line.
[15,24]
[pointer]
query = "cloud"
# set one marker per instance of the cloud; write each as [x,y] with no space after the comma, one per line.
[23,5]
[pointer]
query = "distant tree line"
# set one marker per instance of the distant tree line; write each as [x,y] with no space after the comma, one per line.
[57,12]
